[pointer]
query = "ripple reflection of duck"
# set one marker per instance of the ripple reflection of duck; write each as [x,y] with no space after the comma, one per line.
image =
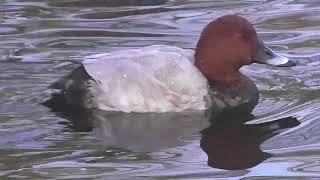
[232,145]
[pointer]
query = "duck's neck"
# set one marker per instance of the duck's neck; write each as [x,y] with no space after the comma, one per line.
[227,82]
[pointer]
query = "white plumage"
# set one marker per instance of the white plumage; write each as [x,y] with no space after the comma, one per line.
[151,79]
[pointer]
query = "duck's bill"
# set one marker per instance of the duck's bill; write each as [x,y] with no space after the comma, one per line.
[265,55]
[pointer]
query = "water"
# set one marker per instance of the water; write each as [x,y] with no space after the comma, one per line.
[41,41]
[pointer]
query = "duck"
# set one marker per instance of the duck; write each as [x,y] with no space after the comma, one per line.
[162,78]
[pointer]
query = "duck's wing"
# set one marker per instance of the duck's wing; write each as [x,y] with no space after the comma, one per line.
[150,79]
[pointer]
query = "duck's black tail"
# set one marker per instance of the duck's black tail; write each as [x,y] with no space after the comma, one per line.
[73,91]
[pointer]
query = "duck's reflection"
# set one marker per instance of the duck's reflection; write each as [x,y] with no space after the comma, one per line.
[232,145]
[228,142]
[147,131]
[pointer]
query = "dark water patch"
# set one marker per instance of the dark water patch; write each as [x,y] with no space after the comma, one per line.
[94,33]
[108,15]
[106,3]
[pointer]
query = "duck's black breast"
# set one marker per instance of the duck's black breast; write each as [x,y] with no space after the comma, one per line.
[243,99]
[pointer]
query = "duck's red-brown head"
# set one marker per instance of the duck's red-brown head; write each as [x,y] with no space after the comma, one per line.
[228,43]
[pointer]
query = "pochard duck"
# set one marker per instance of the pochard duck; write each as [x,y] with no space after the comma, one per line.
[161,78]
